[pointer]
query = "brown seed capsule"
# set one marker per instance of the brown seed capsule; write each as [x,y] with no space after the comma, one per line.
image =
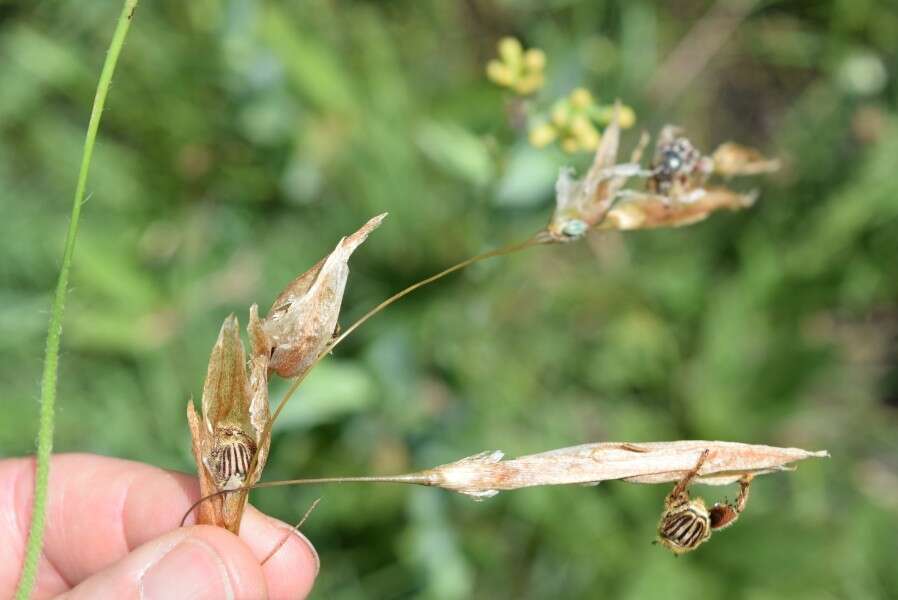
[303,318]
[731,159]
[677,187]
[228,440]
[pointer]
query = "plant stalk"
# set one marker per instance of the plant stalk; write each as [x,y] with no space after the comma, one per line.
[504,250]
[54,332]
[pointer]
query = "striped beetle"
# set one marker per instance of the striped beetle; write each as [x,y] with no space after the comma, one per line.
[229,461]
[686,523]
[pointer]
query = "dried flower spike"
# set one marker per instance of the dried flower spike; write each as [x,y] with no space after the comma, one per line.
[302,320]
[486,474]
[234,416]
[677,191]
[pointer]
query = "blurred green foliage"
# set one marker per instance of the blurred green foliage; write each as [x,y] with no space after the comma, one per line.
[242,138]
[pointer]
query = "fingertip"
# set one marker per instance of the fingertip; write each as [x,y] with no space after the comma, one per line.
[215,562]
[291,570]
[193,562]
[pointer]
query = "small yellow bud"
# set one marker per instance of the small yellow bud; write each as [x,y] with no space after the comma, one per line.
[626,117]
[580,126]
[589,138]
[542,135]
[535,59]
[570,145]
[560,114]
[499,73]
[510,51]
[581,98]
[529,84]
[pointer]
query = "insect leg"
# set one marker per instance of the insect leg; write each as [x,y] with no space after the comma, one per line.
[679,491]
[744,485]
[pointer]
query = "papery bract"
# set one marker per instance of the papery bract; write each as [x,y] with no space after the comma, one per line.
[485,474]
[234,415]
[302,320]
[581,204]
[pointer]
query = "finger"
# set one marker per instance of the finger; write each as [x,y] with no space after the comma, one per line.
[291,571]
[101,508]
[199,562]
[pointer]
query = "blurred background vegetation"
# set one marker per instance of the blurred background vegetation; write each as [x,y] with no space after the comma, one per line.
[242,138]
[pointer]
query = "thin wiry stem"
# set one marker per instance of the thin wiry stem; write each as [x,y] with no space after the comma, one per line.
[534,240]
[54,332]
[504,250]
[413,478]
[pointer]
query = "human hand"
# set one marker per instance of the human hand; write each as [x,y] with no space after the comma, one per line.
[112,532]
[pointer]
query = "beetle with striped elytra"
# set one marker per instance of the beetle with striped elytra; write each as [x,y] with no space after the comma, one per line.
[687,523]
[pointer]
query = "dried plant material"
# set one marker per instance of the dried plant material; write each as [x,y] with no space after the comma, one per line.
[486,474]
[676,186]
[581,204]
[651,211]
[234,416]
[303,318]
[731,159]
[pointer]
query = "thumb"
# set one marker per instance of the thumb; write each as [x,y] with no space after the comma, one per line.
[193,562]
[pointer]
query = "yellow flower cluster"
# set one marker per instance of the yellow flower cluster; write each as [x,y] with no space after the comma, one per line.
[516,69]
[573,122]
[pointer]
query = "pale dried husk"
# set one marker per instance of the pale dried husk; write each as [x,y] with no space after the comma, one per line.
[486,474]
[302,320]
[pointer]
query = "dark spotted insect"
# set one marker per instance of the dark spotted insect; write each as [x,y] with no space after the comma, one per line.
[686,523]
[676,162]
[230,458]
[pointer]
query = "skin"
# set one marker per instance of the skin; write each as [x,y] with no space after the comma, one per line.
[112,532]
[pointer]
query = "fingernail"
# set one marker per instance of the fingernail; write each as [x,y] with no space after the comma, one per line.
[311,548]
[192,569]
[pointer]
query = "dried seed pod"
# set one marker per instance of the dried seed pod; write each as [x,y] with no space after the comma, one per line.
[637,210]
[731,159]
[485,474]
[303,318]
[685,523]
[234,415]
[676,192]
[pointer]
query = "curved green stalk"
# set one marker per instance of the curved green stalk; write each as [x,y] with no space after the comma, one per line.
[54,332]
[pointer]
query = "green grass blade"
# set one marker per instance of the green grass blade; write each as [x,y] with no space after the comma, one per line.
[51,356]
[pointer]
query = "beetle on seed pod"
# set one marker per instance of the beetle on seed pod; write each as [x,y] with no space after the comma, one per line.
[679,189]
[228,443]
[676,191]
[231,439]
